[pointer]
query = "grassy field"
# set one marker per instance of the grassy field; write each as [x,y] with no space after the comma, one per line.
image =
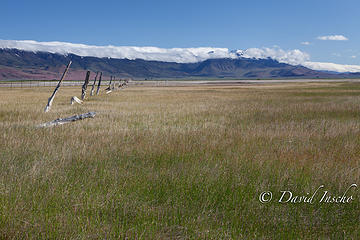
[181,163]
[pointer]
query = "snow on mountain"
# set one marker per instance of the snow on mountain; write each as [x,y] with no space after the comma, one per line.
[179,55]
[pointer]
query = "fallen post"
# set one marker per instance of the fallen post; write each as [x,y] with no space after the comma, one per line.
[61,121]
[51,99]
[84,87]
[93,86]
[75,99]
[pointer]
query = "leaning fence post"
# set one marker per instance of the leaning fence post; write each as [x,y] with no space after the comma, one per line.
[93,86]
[84,87]
[108,89]
[98,88]
[51,99]
[110,81]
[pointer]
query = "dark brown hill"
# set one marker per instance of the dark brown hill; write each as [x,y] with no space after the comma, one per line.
[17,64]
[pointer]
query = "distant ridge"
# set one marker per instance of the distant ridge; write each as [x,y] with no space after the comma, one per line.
[19,64]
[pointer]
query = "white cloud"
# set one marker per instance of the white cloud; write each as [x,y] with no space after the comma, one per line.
[333,38]
[293,57]
[331,67]
[180,55]
[305,43]
[353,56]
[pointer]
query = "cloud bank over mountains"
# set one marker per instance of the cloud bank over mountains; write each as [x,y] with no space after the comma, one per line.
[333,67]
[292,57]
[180,55]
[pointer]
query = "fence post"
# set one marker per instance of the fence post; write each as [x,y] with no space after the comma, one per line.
[93,86]
[98,88]
[84,87]
[51,99]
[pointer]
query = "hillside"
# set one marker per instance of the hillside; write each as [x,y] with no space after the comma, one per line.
[18,64]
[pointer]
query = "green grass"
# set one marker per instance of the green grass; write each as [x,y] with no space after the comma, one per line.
[180,163]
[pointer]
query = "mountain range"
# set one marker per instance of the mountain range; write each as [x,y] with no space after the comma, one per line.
[20,64]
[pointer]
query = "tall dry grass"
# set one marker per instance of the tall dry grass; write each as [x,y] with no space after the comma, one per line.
[180,162]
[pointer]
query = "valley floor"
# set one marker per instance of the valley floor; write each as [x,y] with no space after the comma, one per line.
[182,162]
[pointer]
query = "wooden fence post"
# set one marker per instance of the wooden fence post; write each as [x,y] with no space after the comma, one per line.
[108,89]
[99,84]
[113,85]
[110,81]
[61,121]
[84,87]
[51,99]
[93,86]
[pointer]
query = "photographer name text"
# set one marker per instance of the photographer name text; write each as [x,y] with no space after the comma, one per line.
[320,194]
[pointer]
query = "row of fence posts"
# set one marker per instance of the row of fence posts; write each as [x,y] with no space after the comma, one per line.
[40,83]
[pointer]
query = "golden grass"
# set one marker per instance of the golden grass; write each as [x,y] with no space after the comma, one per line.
[180,162]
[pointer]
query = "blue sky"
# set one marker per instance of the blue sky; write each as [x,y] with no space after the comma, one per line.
[167,24]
